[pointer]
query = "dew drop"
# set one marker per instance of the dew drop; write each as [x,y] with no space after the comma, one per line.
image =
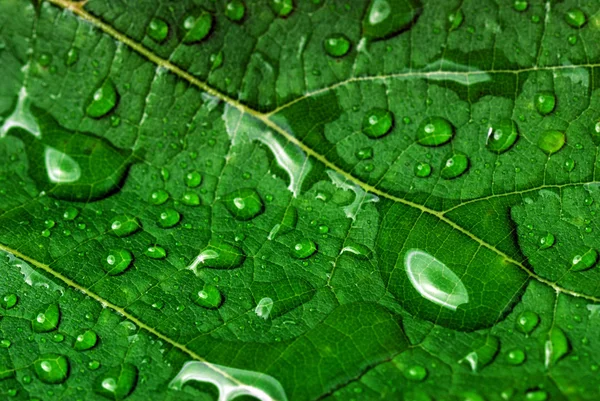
[85,340]
[515,356]
[103,100]
[358,250]
[157,29]
[5,343]
[124,225]
[282,8]
[520,5]
[288,223]
[527,321]
[336,45]
[455,165]
[244,203]
[364,153]
[51,368]
[197,26]
[575,18]
[536,395]
[190,199]
[455,19]
[216,60]
[546,241]
[155,252]
[45,59]
[219,255]
[434,131]
[117,261]
[169,218]
[484,353]
[263,309]
[208,297]
[235,10]
[551,141]
[584,260]
[159,197]
[502,136]
[555,347]
[193,179]
[72,56]
[569,165]
[415,373]
[304,248]
[70,213]
[117,383]
[545,102]
[46,319]
[422,169]
[377,123]
[385,18]
[9,301]
[93,365]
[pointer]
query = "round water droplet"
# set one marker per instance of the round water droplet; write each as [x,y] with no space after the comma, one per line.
[235,10]
[545,102]
[584,260]
[190,199]
[208,297]
[103,100]
[455,165]
[70,213]
[527,321]
[169,218]
[117,383]
[93,365]
[85,340]
[157,29]
[520,5]
[244,203]
[197,26]
[336,45]
[536,395]
[515,357]
[117,261]
[282,8]
[502,136]
[575,17]
[46,319]
[422,169]
[51,368]
[58,338]
[304,249]
[155,252]
[124,225]
[159,197]
[415,373]
[377,122]
[551,141]
[8,301]
[45,59]
[193,179]
[386,18]
[456,19]
[434,131]
[364,153]
[546,241]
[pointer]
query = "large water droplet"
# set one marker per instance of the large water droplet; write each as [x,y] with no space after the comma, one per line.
[244,203]
[169,218]
[124,225]
[197,25]
[455,165]
[304,248]
[502,136]
[551,141]
[117,383]
[208,297]
[8,301]
[336,45]
[545,102]
[263,308]
[219,255]
[159,197]
[70,213]
[117,261]
[575,17]
[434,131]
[484,353]
[385,18]
[377,122]
[51,368]
[235,10]
[85,340]
[103,100]
[434,280]
[584,260]
[282,8]
[555,347]
[193,179]
[157,29]
[46,319]
[527,321]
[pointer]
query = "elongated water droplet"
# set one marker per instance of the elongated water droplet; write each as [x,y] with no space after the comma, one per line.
[422,169]
[85,340]
[288,223]
[282,8]
[434,131]
[336,45]
[51,368]
[304,248]
[263,309]
[70,213]
[359,250]
[190,199]
[157,29]
[219,255]
[208,297]
[527,321]
[455,165]
[124,225]
[547,241]
[159,197]
[377,123]
[169,218]
[551,141]
[569,165]
[47,319]
[455,19]
[197,25]
[555,347]
[117,261]
[515,356]
[244,203]
[72,56]
[235,10]
[484,353]
[545,102]
[8,301]
[502,136]
[434,281]
[117,383]
[584,260]
[155,252]
[103,100]
[415,373]
[386,18]
[576,18]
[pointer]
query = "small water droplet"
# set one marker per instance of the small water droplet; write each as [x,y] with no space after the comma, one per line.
[455,19]
[545,102]
[193,179]
[263,308]
[93,365]
[46,319]
[190,199]
[85,340]
[169,218]
[103,100]
[117,261]
[515,356]
[336,45]
[124,225]
[546,241]
[364,153]
[422,169]
[415,373]
[527,321]
[282,8]
[117,383]
[157,29]
[235,10]
[584,260]
[304,249]
[72,56]
[155,252]
[208,297]
[502,136]
[9,301]
[569,164]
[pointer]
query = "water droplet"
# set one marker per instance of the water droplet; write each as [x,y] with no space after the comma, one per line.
[46,319]
[377,123]
[208,297]
[336,45]
[434,131]
[124,225]
[216,60]
[169,218]
[575,17]
[385,18]
[304,248]
[51,368]
[93,365]
[197,26]
[288,223]
[361,197]
[484,353]
[415,373]
[70,213]
[546,241]
[117,261]
[584,260]
[155,252]
[5,343]
[527,321]
[456,19]
[434,280]
[72,56]
[364,153]
[515,356]
[456,164]
[551,141]
[545,102]
[536,395]
[572,39]
[569,164]
[263,309]
[520,5]
[159,197]
[282,8]
[86,340]
[49,223]
[244,203]
[235,10]
[117,383]
[359,250]
[555,347]
[193,179]
[502,136]
[422,169]
[219,255]
[58,338]
[157,29]
[190,199]
[103,100]
[8,301]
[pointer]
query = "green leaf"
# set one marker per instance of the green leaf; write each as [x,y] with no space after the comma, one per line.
[299,200]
